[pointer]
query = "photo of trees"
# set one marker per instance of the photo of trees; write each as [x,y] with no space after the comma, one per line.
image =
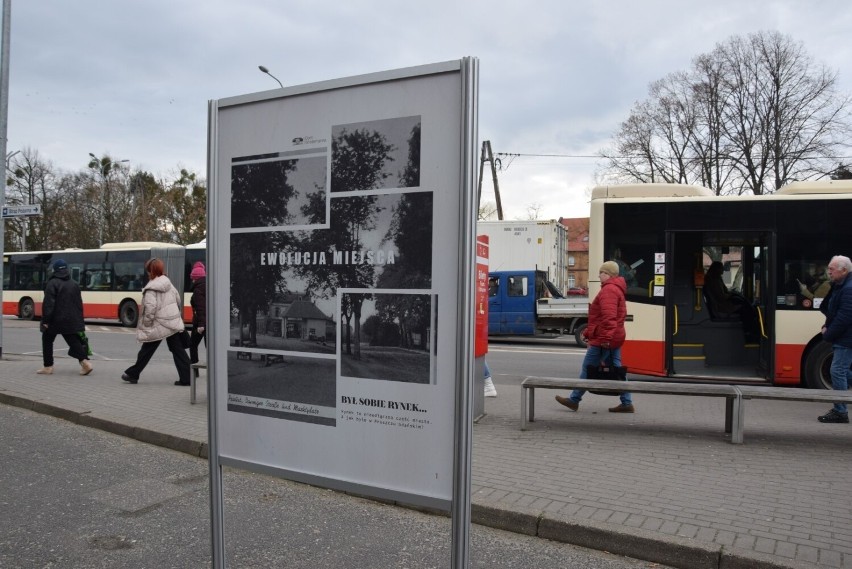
[278,192]
[393,337]
[376,155]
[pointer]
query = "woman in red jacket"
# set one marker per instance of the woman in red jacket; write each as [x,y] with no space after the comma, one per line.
[605,334]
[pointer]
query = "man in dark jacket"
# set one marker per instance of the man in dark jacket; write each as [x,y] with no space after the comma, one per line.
[62,313]
[838,331]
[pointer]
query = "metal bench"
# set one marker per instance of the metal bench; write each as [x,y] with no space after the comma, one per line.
[731,393]
[788,394]
[735,395]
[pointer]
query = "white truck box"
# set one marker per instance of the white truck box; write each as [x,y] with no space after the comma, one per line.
[528,245]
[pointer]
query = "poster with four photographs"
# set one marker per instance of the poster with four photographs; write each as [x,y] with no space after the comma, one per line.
[337,230]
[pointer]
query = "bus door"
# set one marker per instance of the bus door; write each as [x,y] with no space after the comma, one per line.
[717,318]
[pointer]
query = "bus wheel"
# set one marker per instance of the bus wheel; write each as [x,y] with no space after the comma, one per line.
[128,313]
[578,335]
[26,310]
[818,367]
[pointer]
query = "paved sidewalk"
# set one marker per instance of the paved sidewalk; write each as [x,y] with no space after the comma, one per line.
[663,484]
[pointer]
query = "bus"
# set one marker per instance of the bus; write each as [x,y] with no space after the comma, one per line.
[110,278]
[773,250]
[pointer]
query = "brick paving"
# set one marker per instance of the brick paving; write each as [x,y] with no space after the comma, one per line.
[656,484]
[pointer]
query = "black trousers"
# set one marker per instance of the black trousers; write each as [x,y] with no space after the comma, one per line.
[76,349]
[195,341]
[146,352]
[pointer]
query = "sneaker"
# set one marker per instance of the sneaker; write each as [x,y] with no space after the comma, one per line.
[833,417]
[567,402]
[45,370]
[490,390]
[128,379]
[181,383]
[622,409]
[86,367]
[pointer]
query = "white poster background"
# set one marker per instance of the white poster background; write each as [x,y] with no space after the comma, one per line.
[391,439]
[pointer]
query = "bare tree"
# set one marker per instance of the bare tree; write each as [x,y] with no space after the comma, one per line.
[110,199]
[30,180]
[486,211]
[751,116]
[534,211]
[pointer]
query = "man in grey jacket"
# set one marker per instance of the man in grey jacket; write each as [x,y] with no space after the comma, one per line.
[62,313]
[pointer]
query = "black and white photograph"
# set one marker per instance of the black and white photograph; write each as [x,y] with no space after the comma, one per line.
[276,300]
[386,240]
[376,155]
[279,190]
[282,386]
[386,336]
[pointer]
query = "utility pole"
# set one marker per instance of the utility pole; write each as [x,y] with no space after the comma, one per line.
[4,120]
[488,156]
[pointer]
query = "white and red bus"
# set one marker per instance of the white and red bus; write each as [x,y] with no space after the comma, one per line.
[110,278]
[666,235]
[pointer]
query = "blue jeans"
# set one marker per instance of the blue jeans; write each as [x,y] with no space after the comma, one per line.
[486,371]
[594,355]
[840,373]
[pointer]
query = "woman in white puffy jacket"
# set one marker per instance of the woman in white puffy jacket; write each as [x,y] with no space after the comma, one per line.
[161,317]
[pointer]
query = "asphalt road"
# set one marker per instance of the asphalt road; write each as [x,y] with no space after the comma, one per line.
[78,497]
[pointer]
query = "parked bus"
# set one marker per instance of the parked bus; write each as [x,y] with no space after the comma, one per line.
[110,278]
[773,250]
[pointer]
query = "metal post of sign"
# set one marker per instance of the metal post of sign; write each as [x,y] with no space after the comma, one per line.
[4,128]
[467,294]
[217,504]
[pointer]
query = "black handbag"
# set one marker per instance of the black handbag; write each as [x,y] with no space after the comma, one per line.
[605,370]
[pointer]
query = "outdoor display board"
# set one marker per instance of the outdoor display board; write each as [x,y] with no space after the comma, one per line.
[336,244]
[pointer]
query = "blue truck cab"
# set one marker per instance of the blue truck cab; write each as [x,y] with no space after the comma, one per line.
[525,303]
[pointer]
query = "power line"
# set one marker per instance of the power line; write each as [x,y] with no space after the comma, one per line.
[518,154]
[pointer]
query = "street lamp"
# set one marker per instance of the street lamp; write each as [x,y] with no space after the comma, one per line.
[265,70]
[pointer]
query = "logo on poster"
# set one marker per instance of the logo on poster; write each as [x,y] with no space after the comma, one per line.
[301,140]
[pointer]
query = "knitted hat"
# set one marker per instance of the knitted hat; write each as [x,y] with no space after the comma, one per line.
[59,264]
[197,271]
[610,268]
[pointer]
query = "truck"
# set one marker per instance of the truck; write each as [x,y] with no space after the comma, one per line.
[534,245]
[526,303]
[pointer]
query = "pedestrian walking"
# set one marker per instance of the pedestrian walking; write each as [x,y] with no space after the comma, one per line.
[161,318]
[490,390]
[198,301]
[604,334]
[62,313]
[837,329]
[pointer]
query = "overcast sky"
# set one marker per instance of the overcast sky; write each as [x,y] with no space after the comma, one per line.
[131,78]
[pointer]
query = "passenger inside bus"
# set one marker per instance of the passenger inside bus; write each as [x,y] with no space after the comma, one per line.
[721,301]
[819,285]
[628,272]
